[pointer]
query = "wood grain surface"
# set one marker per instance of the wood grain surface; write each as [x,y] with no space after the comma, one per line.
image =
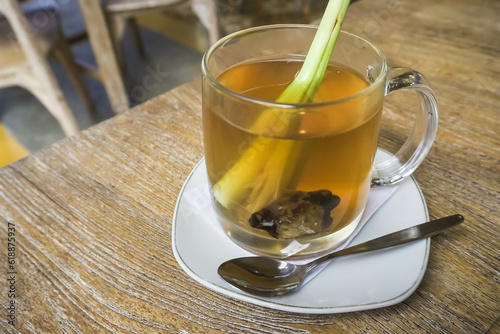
[93,213]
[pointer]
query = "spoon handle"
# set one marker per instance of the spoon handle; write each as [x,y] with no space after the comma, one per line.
[413,233]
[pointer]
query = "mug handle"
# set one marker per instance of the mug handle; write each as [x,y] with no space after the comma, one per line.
[419,142]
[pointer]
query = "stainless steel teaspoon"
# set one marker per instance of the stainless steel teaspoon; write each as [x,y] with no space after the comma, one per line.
[270,277]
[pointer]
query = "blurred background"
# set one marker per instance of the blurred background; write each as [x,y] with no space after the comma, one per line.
[173,41]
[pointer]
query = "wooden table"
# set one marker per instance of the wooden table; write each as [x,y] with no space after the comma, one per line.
[92,214]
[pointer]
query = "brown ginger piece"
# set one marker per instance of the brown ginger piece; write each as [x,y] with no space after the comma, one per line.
[297,214]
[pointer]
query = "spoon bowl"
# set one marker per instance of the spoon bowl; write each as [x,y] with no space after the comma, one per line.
[262,276]
[269,277]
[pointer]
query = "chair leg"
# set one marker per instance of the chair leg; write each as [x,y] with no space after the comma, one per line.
[206,10]
[44,86]
[135,34]
[54,101]
[64,55]
[117,23]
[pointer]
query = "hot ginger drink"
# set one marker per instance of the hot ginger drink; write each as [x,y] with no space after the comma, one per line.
[307,168]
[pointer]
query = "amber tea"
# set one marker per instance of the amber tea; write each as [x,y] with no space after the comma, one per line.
[320,168]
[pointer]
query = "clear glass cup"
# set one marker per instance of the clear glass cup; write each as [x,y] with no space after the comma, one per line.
[283,175]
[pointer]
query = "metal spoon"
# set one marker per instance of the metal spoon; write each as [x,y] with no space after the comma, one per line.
[270,277]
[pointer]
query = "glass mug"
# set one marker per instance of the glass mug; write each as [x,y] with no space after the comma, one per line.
[282,175]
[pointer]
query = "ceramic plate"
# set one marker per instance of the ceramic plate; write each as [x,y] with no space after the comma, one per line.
[352,283]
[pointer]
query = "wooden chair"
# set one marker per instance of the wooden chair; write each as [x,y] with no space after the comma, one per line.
[99,16]
[26,38]
[122,13]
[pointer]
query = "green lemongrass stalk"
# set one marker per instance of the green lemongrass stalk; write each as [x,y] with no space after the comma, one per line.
[274,154]
[306,84]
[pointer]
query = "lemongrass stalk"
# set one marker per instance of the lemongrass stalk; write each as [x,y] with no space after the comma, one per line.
[275,154]
[304,87]
[277,172]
